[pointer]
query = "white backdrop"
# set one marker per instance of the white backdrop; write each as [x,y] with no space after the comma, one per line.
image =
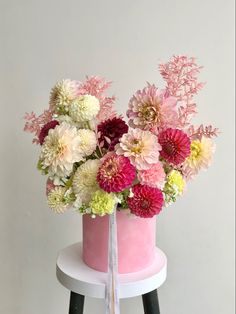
[47,40]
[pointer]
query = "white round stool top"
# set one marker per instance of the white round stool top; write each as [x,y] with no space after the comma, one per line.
[76,276]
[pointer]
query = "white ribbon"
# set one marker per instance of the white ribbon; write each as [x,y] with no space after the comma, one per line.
[112,288]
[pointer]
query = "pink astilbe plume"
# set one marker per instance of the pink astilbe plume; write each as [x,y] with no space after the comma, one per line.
[97,86]
[181,76]
[198,132]
[34,124]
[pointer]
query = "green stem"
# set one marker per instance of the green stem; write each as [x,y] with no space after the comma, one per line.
[88,125]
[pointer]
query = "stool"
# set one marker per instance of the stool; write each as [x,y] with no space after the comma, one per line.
[83,281]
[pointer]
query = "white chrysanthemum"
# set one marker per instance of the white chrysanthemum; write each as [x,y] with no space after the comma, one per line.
[85,180]
[62,94]
[56,200]
[60,150]
[67,119]
[84,108]
[88,142]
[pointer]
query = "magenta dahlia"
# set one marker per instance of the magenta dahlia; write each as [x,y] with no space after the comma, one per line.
[175,145]
[45,129]
[146,201]
[111,131]
[116,173]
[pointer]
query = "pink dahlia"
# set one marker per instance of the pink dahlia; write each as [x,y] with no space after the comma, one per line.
[141,147]
[45,129]
[154,177]
[175,145]
[151,109]
[110,131]
[116,173]
[146,201]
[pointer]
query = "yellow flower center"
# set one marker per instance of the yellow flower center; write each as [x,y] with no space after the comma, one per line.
[111,168]
[137,146]
[60,149]
[145,204]
[195,150]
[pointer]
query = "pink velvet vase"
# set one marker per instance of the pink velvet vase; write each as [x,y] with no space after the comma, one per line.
[136,242]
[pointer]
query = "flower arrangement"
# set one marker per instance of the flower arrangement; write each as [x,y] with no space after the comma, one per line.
[94,159]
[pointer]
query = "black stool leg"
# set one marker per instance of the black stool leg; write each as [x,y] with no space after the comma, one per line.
[76,303]
[150,303]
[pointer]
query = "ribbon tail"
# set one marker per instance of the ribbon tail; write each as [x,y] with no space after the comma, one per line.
[112,288]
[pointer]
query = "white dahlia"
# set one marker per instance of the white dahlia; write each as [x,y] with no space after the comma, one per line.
[62,94]
[201,156]
[85,180]
[56,199]
[84,108]
[60,150]
[88,142]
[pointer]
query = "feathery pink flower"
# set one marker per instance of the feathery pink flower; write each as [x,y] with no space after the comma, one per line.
[181,76]
[198,132]
[34,124]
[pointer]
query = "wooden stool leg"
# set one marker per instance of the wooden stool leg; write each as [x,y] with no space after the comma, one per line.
[76,303]
[150,303]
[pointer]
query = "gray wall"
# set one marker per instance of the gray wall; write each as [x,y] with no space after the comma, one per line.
[44,41]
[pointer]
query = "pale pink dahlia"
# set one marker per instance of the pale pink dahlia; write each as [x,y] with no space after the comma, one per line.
[141,147]
[146,201]
[175,145]
[154,177]
[60,150]
[116,173]
[151,109]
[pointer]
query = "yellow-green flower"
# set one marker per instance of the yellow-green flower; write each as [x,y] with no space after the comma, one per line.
[175,179]
[102,203]
[174,186]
